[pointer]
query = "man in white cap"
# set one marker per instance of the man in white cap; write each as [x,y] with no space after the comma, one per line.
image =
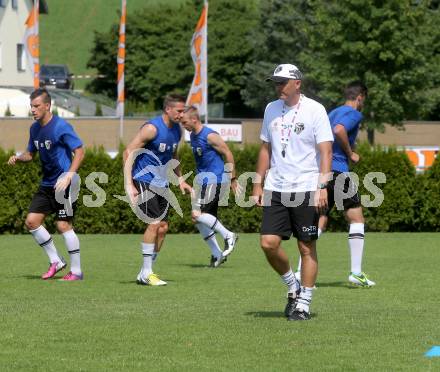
[297,153]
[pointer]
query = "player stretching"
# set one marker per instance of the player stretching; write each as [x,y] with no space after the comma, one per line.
[208,149]
[55,140]
[158,138]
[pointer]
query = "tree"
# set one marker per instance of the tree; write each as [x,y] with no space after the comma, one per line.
[8,111]
[387,44]
[98,109]
[158,58]
[277,39]
[391,45]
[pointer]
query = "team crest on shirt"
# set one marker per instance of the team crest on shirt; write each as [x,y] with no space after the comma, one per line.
[48,144]
[299,127]
[162,147]
[199,151]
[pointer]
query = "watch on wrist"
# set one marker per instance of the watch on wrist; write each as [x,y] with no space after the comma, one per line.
[322,186]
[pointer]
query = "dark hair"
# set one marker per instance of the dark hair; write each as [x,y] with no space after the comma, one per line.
[354,89]
[41,92]
[192,112]
[173,98]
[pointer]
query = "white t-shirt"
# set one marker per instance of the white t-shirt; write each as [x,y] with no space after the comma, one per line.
[298,169]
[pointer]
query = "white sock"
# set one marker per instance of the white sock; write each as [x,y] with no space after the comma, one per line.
[356,244]
[320,232]
[72,244]
[147,253]
[209,236]
[214,224]
[291,282]
[43,238]
[304,299]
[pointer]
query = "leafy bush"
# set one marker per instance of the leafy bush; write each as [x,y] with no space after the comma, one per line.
[427,199]
[410,201]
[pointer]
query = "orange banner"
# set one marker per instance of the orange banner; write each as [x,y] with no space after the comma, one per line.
[121,62]
[198,94]
[32,43]
[422,157]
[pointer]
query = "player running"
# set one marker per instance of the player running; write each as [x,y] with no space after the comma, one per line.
[158,139]
[55,140]
[345,121]
[209,150]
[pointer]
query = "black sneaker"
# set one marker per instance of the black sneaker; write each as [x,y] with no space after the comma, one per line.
[216,262]
[212,262]
[299,314]
[291,303]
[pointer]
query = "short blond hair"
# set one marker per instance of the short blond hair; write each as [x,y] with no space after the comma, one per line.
[192,112]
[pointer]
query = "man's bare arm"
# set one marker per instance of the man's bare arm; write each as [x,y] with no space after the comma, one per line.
[24,157]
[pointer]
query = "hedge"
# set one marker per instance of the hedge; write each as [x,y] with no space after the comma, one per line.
[410,200]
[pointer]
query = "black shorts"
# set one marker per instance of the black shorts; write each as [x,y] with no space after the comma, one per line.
[338,188]
[207,198]
[283,219]
[44,202]
[153,202]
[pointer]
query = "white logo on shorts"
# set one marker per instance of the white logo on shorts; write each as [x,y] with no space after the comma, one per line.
[162,147]
[309,229]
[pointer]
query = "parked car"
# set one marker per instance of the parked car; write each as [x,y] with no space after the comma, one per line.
[57,76]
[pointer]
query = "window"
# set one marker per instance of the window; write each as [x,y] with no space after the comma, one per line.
[14,4]
[21,58]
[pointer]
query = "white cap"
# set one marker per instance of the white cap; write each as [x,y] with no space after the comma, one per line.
[285,72]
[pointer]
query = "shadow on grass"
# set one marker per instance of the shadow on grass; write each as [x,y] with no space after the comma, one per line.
[204,266]
[33,277]
[271,314]
[196,266]
[133,282]
[334,284]
[266,314]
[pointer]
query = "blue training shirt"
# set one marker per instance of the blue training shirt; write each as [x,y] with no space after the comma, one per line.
[54,142]
[350,119]
[150,167]
[209,162]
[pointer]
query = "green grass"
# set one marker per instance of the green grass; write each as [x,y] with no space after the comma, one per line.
[228,318]
[67,32]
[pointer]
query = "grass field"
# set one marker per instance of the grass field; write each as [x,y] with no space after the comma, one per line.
[67,32]
[225,319]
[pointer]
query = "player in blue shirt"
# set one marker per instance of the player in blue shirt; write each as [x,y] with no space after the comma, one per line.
[146,160]
[54,140]
[211,183]
[345,121]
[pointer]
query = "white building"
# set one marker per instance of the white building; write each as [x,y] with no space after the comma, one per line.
[14,67]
